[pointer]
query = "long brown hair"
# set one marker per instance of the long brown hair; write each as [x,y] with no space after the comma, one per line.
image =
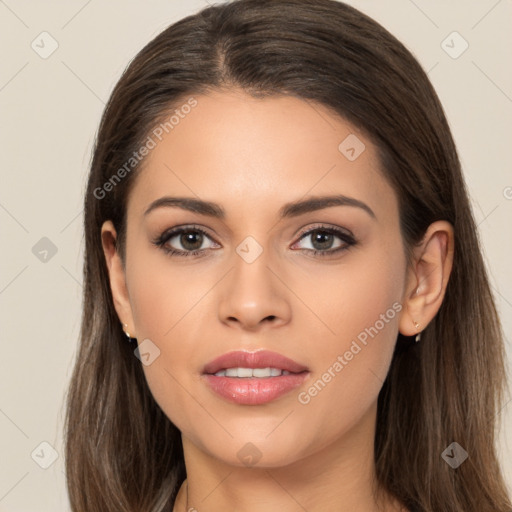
[122,452]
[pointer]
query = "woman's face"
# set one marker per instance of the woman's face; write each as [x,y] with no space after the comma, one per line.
[256,284]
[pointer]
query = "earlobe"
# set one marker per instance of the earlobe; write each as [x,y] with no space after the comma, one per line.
[427,278]
[117,276]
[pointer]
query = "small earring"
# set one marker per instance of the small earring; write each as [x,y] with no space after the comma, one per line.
[418,336]
[127,333]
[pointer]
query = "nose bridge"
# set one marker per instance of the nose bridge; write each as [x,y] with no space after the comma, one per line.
[251,277]
[252,292]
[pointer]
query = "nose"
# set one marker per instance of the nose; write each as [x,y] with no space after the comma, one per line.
[254,295]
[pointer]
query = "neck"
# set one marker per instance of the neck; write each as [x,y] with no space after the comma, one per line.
[340,477]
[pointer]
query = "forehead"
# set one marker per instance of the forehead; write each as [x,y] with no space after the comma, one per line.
[246,152]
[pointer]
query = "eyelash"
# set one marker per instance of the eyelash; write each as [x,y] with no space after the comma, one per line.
[160,242]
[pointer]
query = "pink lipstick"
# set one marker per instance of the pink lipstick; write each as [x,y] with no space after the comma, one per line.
[253,378]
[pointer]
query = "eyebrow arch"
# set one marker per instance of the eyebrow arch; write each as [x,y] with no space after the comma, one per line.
[293,209]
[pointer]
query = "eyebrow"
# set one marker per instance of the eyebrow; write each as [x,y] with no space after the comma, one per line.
[293,209]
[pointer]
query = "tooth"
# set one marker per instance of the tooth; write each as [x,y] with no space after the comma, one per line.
[262,372]
[241,372]
[244,372]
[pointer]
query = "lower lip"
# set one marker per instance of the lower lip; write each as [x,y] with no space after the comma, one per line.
[254,390]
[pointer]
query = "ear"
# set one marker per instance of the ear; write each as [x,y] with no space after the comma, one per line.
[117,277]
[427,278]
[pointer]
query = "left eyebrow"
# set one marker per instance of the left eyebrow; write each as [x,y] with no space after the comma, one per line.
[293,209]
[312,204]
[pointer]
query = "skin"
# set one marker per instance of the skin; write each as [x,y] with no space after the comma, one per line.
[251,156]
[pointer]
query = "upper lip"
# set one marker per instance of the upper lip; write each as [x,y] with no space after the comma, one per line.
[259,359]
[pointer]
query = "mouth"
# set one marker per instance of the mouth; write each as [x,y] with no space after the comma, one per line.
[253,378]
[242,361]
[246,373]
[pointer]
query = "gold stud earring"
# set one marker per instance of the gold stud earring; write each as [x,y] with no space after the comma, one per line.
[126,332]
[418,336]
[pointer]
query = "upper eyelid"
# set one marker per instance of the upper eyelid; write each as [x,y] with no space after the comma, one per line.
[326,226]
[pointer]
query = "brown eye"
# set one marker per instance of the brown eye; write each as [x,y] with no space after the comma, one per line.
[324,238]
[190,239]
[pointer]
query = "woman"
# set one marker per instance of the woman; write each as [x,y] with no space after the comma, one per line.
[285,302]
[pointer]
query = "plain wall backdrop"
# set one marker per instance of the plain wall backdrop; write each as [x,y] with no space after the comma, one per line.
[59,62]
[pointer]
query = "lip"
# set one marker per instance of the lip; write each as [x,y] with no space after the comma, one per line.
[253,390]
[259,359]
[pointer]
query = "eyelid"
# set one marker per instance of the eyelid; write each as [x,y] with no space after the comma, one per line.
[183,227]
[326,226]
[167,234]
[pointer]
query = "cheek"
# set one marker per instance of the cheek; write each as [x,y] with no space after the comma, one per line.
[167,303]
[348,299]
[363,312]
[166,293]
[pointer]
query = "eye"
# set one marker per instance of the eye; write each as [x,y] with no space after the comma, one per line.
[190,238]
[323,237]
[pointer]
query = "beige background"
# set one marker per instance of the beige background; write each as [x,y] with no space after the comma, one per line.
[50,113]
